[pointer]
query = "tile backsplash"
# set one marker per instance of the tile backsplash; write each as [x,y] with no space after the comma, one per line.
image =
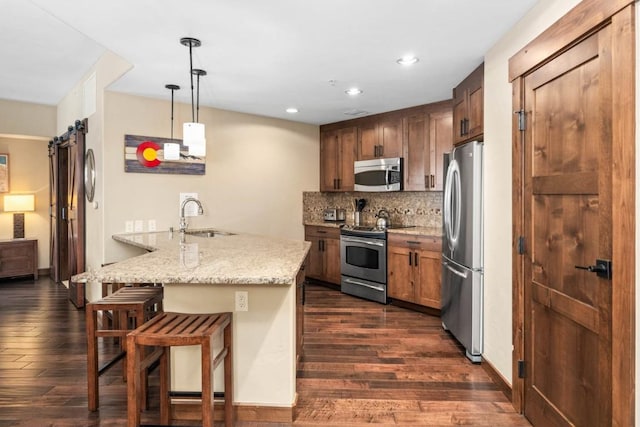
[421,209]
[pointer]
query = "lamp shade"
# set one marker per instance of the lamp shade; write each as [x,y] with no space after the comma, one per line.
[193,134]
[19,203]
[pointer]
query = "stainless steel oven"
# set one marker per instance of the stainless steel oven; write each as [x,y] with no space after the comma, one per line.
[363,262]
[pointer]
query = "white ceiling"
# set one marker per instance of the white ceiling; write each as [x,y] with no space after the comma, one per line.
[261,56]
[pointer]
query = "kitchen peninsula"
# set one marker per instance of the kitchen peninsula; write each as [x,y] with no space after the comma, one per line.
[201,274]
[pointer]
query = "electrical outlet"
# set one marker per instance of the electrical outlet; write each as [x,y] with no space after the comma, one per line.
[151,226]
[128,226]
[242,301]
[138,226]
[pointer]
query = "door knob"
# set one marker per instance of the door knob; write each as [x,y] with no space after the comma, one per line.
[602,268]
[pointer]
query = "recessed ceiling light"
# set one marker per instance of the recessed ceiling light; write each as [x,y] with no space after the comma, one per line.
[407,60]
[292,110]
[353,91]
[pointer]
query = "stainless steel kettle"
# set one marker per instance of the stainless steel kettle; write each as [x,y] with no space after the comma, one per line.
[383,220]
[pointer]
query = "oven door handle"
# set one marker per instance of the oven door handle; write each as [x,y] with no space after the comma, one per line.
[366,285]
[364,242]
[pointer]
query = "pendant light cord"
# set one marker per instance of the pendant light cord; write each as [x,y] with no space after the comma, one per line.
[172,88]
[191,74]
[171,113]
[198,100]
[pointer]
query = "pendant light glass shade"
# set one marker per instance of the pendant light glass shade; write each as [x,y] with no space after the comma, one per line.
[193,137]
[193,134]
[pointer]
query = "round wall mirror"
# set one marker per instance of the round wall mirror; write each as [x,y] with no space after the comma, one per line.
[89,175]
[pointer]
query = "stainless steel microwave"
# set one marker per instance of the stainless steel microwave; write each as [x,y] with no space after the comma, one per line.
[378,174]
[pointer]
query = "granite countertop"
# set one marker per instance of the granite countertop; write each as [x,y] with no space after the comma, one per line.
[420,231]
[223,259]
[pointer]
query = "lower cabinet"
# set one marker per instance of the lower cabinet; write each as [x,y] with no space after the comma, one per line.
[324,256]
[414,269]
[19,258]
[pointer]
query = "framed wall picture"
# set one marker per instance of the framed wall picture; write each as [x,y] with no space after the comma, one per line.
[4,173]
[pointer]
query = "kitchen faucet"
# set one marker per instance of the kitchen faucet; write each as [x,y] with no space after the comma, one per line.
[183,219]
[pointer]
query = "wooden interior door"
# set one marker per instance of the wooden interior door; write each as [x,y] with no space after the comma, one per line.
[59,256]
[75,203]
[568,223]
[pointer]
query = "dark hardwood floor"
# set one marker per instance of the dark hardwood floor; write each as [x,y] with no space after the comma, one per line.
[363,363]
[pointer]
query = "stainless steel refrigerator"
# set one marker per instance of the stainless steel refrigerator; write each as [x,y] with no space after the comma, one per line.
[462,247]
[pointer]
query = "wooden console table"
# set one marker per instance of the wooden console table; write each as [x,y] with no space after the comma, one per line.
[19,257]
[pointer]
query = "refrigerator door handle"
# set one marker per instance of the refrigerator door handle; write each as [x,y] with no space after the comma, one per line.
[458,199]
[449,267]
[451,201]
[446,214]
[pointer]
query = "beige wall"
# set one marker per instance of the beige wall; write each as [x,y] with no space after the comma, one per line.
[25,130]
[27,119]
[256,171]
[497,184]
[29,173]
[73,107]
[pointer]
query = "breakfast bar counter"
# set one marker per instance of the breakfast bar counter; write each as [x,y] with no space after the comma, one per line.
[201,274]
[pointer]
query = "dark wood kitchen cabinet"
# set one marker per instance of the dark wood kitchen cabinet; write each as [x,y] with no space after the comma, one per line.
[427,136]
[19,258]
[380,139]
[414,269]
[468,107]
[419,134]
[324,256]
[337,154]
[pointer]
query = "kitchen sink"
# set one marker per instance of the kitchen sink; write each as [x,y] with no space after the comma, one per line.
[208,233]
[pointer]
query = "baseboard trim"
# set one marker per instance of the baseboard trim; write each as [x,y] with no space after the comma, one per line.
[248,413]
[415,307]
[497,378]
[44,272]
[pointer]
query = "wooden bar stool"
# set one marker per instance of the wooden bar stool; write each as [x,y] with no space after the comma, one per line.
[132,307]
[178,329]
[108,321]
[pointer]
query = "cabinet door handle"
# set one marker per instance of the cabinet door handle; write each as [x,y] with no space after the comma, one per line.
[462,127]
[409,258]
[415,259]
[466,126]
[339,184]
[433,181]
[375,151]
[413,242]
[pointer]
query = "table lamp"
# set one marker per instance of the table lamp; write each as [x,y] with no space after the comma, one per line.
[19,204]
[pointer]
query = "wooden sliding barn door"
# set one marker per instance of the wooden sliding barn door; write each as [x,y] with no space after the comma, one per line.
[577,222]
[66,155]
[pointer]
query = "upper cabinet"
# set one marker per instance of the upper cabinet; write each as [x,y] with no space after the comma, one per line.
[418,134]
[468,107]
[337,154]
[380,139]
[427,138]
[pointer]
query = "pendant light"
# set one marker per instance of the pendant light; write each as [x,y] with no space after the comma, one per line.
[171,150]
[193,132]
